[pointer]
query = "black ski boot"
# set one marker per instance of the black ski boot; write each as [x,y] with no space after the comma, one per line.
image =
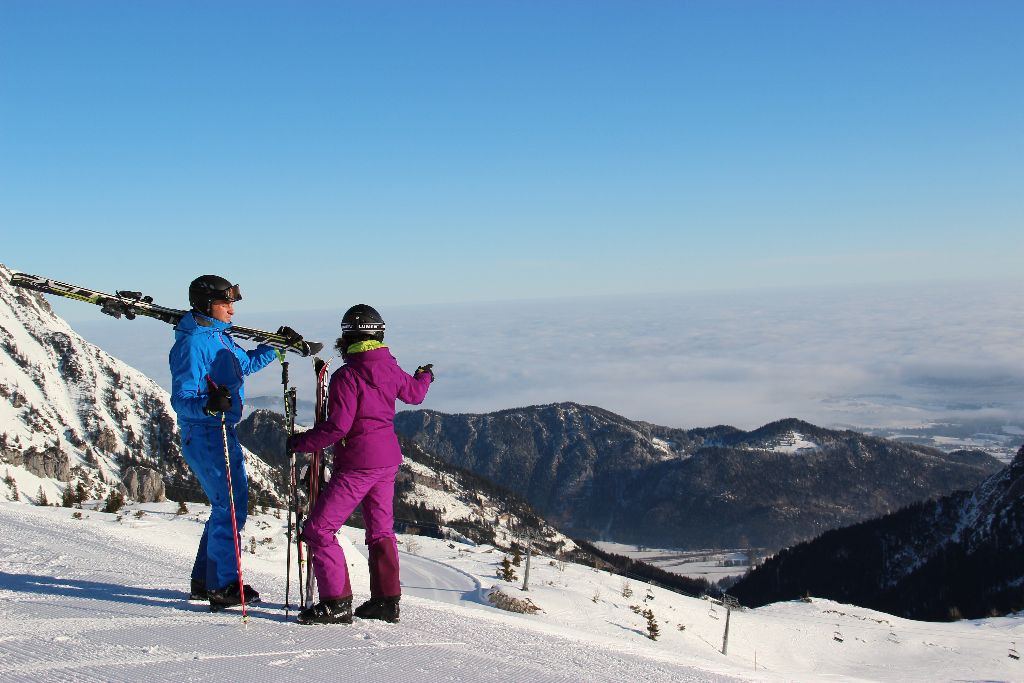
[230,596]
[385,609]
[197,591]
[328,612]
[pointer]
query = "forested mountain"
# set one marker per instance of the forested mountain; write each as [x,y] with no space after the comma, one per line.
[959,556]
[601,476]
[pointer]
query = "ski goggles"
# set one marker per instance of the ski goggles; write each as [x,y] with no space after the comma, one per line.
[231,294]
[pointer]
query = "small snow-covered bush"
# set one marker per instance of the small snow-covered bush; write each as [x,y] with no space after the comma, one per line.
[504,601]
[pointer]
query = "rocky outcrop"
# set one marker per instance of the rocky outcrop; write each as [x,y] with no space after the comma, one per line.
[144,485]
[49,463]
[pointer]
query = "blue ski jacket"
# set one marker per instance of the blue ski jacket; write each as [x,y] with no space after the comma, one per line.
[203,351]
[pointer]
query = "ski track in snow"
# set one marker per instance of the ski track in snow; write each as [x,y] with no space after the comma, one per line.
[81,601]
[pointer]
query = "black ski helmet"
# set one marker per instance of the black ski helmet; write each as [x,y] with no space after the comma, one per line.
[362,322]
[206,289]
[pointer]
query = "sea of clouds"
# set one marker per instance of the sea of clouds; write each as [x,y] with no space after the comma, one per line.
[881,356]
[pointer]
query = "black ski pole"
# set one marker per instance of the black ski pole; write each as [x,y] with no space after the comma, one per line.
[289,418]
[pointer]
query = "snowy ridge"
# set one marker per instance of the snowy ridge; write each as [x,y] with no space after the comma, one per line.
[989,504]
[793,442]
[790,443]
[458,506]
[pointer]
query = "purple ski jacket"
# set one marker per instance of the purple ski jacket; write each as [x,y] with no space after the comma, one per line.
[361,410]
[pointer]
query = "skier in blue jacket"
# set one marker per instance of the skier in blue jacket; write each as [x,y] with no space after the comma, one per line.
[208,370]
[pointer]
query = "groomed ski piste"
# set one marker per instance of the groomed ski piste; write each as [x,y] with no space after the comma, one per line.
[93,596]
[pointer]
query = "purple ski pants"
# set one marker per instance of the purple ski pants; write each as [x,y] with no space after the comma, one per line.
[375,489]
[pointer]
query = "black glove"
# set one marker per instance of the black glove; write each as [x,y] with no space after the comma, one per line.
[290,335]
[425,368]
[219,401]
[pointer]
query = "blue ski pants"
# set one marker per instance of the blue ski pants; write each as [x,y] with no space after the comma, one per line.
[203,449]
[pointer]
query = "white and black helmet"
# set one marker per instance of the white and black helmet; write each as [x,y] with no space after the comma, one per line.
[362,322]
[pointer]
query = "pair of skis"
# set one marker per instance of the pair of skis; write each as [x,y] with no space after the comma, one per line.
[311,484]
[133,304]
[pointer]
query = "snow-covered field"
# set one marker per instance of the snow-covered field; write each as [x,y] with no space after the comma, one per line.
[102,598]
[713,565]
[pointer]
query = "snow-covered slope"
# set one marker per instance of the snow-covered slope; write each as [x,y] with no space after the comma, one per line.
[72,414]
[466,506]
[790,442]
[102,598]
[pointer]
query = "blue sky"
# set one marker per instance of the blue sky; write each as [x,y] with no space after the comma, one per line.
[421,152]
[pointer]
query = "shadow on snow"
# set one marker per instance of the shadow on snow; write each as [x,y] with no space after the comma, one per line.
[35,584]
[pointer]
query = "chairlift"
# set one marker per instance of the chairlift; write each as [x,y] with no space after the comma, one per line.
[837,636]
[1012,654]
[893,638]
[712,613]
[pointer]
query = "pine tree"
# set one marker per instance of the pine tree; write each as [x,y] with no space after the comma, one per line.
[67,498]
[517,555]
[41,498]
[12,484]
[182,508]
[80,494]
[506,572]
[652,624]
[115,501]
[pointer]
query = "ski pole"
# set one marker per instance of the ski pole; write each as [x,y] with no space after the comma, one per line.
[291,466]
[234,523]
[293,493]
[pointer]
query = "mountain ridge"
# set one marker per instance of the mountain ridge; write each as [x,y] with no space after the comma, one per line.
[602,476]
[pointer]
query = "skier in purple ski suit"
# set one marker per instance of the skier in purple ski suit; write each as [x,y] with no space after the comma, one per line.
[361,414]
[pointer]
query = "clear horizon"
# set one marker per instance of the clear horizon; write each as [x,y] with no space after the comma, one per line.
[863,356]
